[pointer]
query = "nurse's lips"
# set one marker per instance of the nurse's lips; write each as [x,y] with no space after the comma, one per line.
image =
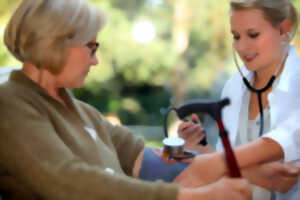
[250,58]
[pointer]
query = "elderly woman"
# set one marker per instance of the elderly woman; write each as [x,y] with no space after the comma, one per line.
[53,146]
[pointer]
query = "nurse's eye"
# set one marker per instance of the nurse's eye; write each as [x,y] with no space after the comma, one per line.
[253,35]
[236,37]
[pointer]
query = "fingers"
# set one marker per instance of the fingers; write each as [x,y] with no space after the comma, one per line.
[289,169]
[245,189]
[289,173]
[194,132]
[234,189]
[192,138]
[191,129]
[285,184]
[242,187]
[184,126]
[293,169]
[195,118]
[284,176]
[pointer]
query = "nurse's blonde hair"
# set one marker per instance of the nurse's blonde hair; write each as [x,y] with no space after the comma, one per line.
[42,31]
[275,11]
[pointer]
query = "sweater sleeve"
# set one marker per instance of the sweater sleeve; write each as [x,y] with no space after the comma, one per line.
[33,152]
[126,144]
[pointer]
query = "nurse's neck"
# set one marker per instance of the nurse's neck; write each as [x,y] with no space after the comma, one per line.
[263,75]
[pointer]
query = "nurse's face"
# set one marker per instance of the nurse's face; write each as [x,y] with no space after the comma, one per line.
[258,43]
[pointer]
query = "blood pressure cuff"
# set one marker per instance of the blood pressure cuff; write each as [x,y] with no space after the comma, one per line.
[154,168]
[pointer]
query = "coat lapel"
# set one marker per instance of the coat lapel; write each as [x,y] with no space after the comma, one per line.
[282,98]
[232,113]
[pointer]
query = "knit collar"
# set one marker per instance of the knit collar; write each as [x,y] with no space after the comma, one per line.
[19,77]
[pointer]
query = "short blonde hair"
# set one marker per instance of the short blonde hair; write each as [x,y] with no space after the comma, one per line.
[275,11]
[41,31]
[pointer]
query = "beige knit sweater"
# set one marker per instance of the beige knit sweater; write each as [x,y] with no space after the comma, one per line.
[52,151]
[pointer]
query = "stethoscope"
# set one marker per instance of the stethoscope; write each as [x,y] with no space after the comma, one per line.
[260,91]
[174,147]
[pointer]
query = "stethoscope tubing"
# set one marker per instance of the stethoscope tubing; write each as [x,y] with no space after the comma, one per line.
[260,91]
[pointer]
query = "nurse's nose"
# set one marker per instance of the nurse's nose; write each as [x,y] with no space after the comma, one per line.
[242,45]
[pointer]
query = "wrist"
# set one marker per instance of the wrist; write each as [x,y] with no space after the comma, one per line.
[209,167]
[184,194]
[217,160]
[221,162]
[204,192]
[254,176]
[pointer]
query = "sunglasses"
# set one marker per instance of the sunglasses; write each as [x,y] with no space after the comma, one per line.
[93,46]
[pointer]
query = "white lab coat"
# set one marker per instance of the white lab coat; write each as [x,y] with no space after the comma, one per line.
[284,101]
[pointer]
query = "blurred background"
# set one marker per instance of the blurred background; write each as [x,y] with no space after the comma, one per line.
[153,54]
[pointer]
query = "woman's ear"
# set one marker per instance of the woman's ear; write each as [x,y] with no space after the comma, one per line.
[285,27]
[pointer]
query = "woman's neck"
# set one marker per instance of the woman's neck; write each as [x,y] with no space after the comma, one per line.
[44,79]
[263,76]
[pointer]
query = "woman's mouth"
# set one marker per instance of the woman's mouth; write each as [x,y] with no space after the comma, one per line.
[250,58]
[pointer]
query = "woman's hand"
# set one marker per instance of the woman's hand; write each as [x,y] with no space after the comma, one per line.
[205,169]
[226,188]
[137,164]
[277,176]
[193,132]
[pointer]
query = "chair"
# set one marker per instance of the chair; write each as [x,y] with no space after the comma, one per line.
[4,75]
[5,72]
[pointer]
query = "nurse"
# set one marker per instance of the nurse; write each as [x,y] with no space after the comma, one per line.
[263,117]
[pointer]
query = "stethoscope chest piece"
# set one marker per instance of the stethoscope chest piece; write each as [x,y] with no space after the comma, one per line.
[173,145]
[174,149]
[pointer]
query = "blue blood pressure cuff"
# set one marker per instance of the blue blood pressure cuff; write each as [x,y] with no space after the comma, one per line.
[154,168]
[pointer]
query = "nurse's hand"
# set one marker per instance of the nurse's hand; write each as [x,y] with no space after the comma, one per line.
[277,176]
[233,189]
[205,169]
[193,132]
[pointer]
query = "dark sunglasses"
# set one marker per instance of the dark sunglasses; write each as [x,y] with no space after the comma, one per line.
[93,46]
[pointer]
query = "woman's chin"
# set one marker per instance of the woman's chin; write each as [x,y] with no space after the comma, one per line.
[251,67]
[78,84]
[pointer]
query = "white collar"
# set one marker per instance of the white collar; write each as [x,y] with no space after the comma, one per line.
[283,83]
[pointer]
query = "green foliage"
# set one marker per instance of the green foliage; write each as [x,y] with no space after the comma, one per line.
[136,80]
[129,71]
[6,9]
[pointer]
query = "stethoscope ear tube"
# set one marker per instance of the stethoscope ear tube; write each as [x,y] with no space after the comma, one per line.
[260,91]
[259,97]
[230,158]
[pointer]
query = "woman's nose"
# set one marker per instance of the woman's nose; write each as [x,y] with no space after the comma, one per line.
[94,60]
[242,46]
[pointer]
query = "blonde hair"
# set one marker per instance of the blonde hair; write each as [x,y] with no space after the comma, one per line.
[275,11]
[42,31]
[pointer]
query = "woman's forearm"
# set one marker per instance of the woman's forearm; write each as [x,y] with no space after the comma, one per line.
[254,153]
[190,194]
[233,189]
[258,151]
